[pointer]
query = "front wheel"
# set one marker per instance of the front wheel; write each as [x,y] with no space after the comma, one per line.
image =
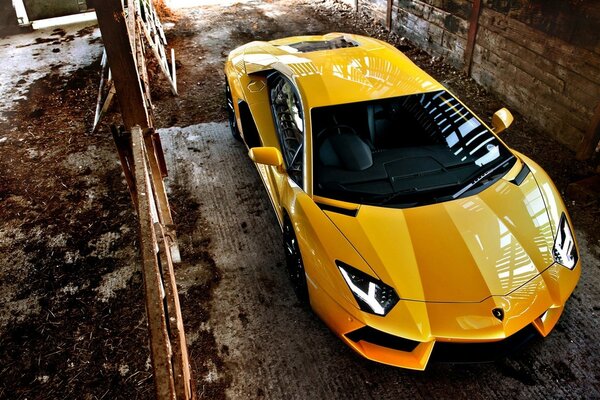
[294,263]
[233,125]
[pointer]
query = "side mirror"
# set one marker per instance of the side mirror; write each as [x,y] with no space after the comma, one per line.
[501,120]
[266,155]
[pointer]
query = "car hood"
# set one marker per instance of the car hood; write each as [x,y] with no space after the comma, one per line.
[464,250]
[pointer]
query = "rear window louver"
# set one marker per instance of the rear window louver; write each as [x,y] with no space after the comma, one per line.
[317,45]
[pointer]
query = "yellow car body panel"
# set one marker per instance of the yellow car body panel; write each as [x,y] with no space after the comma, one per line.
[451,263]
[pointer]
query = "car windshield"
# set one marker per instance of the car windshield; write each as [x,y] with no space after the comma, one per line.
[404,151]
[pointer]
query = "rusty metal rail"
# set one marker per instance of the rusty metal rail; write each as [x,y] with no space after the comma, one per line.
[142,159]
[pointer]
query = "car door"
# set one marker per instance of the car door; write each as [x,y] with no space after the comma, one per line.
[288,119]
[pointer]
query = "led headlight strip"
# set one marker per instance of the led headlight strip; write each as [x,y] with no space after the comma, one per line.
[371,294]
[565,252]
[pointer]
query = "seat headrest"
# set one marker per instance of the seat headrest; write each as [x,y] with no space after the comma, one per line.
[346,151]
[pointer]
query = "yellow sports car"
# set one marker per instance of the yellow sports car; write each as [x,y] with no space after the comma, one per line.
[409,227]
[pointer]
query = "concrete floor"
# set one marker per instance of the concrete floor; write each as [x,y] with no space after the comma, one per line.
[275,349]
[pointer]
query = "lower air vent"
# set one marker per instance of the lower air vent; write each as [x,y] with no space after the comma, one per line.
[521,175]
[483,352]
[371,335]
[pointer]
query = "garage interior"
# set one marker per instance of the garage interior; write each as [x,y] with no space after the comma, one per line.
[75,248]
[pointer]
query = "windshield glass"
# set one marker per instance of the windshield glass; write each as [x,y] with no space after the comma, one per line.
[404,151]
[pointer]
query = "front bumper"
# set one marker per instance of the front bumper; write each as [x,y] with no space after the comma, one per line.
[415,332]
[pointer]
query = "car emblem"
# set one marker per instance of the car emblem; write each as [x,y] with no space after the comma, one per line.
[498,313]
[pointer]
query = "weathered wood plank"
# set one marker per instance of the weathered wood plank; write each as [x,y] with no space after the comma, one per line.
[575,23]
[112,22]
[157,323]
[530,60]
[388,14]
[431,38]
[591,139]
[164,211]
[473,25]
[182,381]
[581,61]
[515,54]
[436,16]
[540,97]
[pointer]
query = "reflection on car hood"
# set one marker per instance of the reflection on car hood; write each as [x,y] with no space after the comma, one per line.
[458,251]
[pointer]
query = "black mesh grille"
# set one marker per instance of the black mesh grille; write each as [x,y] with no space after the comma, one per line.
[483,352]
[383,339]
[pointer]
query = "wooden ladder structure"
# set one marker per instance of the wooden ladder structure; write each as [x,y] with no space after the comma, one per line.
[123,32]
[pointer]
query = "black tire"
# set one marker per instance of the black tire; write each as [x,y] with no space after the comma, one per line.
[295,266]
[233,125]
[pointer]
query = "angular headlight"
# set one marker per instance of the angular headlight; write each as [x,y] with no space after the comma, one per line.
[371,294]
[564,250]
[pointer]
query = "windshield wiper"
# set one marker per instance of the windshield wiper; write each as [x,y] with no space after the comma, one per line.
[480,178]
[415,191]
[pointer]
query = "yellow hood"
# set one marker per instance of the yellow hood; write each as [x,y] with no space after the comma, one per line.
[459,251]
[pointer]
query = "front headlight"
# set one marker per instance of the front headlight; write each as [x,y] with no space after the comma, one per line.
[564,250]
[371,294]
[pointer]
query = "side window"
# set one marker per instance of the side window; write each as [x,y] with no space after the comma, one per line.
[289,122]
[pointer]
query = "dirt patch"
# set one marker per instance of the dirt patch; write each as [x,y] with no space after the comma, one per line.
[73,309]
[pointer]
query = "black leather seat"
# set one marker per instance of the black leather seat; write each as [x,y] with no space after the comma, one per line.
[346,151]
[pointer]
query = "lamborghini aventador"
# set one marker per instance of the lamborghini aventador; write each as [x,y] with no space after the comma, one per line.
[409,226]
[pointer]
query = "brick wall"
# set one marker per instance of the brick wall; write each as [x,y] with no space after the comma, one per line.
[542,57]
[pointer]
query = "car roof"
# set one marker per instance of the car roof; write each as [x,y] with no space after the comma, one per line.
[368,69]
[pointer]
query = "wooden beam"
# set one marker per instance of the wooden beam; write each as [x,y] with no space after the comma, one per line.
[103,73]
[123,143]
[160,192]
[591,140]
[162,62]
[155,297]
[162,200]
[115,35]
[181,363]
[388,15]
[472,35]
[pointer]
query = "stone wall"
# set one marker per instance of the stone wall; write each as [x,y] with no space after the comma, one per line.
[542,57]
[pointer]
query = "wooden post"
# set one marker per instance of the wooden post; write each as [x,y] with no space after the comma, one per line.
[356,5]
[591,139]
[388,15]
[472,35]
[119,51]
